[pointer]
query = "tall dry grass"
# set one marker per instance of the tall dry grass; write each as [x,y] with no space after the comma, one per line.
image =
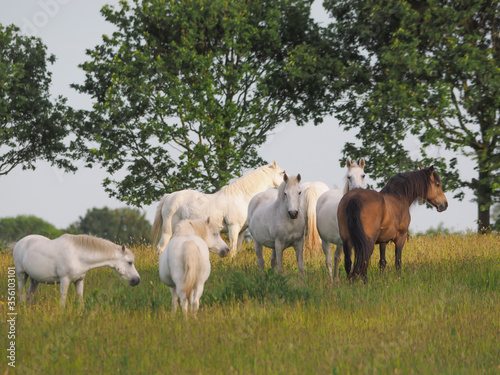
[440,314]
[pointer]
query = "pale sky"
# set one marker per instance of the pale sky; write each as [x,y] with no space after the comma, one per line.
[68,28]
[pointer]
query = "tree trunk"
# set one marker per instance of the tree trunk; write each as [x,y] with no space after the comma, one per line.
[484,194]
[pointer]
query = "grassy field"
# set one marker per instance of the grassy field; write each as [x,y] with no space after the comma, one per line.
[440,315]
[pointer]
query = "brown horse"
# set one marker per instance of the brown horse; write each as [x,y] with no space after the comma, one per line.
[367,217]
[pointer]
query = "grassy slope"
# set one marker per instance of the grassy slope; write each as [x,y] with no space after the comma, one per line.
[441,314]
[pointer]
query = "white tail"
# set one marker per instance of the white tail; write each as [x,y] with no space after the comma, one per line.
[313,240]
[158,223]
[191,257]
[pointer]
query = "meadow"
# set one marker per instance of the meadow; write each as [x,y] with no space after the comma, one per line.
[440,314]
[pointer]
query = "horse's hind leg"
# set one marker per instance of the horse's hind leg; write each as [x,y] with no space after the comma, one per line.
[347,256]
[32,289]
[22,277]
[327,250]
[339,249]
[382,262]
[166,235]
[175,299]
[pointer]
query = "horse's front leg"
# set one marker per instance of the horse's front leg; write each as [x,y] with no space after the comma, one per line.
[399,242]
[260,257]
[279,247]
[64,290]
[299,253]
[79,291]
[382,262]
[233,232]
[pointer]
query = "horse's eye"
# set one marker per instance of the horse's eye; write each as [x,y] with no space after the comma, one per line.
[285,194]
[130,263]
[300,192]
[362,176]
[348,177]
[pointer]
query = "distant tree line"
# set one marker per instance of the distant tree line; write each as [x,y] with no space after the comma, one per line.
[121,225]
[185,92]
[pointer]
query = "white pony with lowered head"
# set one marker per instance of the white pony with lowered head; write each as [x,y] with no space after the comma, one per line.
[66,260]
[227,208]
[275,220]
[326,214]
[185,264]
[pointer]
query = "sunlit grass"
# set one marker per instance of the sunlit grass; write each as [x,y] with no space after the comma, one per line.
[440,314]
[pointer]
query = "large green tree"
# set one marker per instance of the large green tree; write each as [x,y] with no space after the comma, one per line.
[427,74]
[33,126]
[122,225]
[185,91]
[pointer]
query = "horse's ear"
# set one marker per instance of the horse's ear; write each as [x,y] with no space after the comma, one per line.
[420,167]
[361,163]
[285,177]
[274,164]
[298,177]
[431,169]
[208,220]
[348,163]
[123,248]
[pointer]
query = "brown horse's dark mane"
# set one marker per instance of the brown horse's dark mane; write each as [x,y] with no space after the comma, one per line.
[410,186]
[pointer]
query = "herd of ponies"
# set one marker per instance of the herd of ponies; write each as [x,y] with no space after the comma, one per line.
[277,208]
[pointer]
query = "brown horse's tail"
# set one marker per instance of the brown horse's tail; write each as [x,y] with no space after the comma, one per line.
[363,248]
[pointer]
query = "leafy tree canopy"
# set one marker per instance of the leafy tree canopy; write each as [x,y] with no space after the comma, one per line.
[32,125]
[425,72]
[122,225]
[12,229]
[186,91]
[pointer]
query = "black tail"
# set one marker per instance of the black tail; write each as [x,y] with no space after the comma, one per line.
[363,248]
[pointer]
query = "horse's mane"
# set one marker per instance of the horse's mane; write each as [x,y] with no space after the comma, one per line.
[409,186]
[93,244]
[191,227]
[249,183]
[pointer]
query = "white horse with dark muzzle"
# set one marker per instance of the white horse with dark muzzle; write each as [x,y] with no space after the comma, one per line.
[275,220]
[66,260]
[185,263]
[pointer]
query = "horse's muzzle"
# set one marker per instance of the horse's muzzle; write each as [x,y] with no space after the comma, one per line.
[224,252]
[442,207]
[135,281]
[293,214]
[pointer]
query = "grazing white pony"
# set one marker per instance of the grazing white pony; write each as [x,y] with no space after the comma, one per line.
[311,191]
[185,265]
[227,208]
[66,260]
[275,220]
[326,213]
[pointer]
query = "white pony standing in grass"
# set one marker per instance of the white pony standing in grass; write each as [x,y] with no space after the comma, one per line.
[227,208]
[311,191]
[185,265]
[66,260]
[275,220]
[326,213]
